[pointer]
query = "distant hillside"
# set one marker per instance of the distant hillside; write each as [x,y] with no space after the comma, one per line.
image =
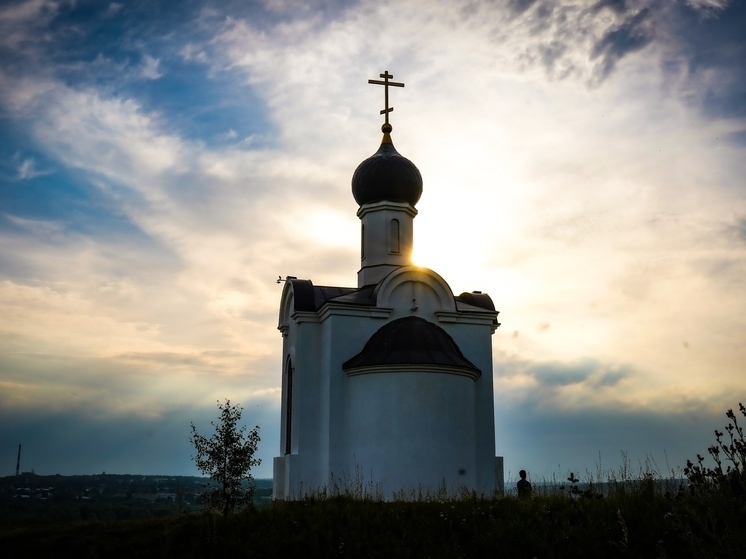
[36,498]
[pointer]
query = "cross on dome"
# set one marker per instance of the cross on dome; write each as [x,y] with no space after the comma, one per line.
[386,83]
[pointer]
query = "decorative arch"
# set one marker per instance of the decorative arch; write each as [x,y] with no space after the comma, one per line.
[436,285]
[297,295]
[287,303]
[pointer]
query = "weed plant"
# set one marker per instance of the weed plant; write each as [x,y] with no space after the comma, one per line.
[711,513]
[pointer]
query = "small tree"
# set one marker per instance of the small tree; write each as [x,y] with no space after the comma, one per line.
[227,457]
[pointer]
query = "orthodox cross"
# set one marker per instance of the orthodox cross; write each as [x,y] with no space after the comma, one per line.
[386,83]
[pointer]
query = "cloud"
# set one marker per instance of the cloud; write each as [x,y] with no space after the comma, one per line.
[555,417]
[144,310]
[27,170]
[520,6]
[583,193]
[60,441]
[635,33]
[550,441]
[597,176]
[149,68]
[739,229]
[708,8]
[587,377]
[113,9]
[19,21]
[229,135]
[618,6]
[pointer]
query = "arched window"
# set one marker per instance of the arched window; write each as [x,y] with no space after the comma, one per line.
[288,406]
[394,236]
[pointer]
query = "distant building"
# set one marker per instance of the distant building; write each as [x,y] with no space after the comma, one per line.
[154,496]
[387,386]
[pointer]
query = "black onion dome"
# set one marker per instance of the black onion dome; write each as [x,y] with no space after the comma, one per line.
[410,341]
[386,175]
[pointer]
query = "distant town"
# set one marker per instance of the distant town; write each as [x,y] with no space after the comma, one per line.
[29,496]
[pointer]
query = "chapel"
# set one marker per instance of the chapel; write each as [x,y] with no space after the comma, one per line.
[387,386]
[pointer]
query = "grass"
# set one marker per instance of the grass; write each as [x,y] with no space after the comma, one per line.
[616,516]
[635,519]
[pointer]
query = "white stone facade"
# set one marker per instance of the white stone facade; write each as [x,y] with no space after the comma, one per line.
[390,422]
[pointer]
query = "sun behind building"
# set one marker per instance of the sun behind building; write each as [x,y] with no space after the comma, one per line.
[387,384]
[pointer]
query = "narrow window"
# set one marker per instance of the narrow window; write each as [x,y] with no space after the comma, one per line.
[395,235]
[289,407]
[362,243]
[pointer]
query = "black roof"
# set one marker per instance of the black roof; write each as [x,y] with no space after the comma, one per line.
[410,341]
[310,297]
[386,175]
[477,299]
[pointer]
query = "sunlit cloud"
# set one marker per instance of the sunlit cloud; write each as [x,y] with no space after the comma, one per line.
[572,165]
[708,7]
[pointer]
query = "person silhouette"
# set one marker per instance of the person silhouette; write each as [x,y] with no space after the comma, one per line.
[524,486]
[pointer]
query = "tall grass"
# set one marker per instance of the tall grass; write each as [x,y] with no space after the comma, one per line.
[634,518]
[620,514]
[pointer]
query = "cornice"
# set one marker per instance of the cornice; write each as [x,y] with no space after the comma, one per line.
[415,368]
[341,309]
[462,317]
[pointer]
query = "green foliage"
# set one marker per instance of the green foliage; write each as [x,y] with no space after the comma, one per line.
[227,458]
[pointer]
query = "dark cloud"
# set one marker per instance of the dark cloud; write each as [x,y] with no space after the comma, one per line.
[539,429]
[205,358]
[709,53]
[550,440]
[738,138]
[611,30]
[635,33]
[618,6]
[553,374]
[551,53]
[566,38]
[78,442]
[588,371]
[520,6]
[545,10]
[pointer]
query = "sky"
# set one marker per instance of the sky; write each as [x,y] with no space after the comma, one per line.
[162,163]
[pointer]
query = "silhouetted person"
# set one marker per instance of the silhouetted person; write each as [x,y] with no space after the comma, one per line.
[524,486]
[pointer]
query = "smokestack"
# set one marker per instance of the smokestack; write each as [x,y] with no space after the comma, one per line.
[18,462]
